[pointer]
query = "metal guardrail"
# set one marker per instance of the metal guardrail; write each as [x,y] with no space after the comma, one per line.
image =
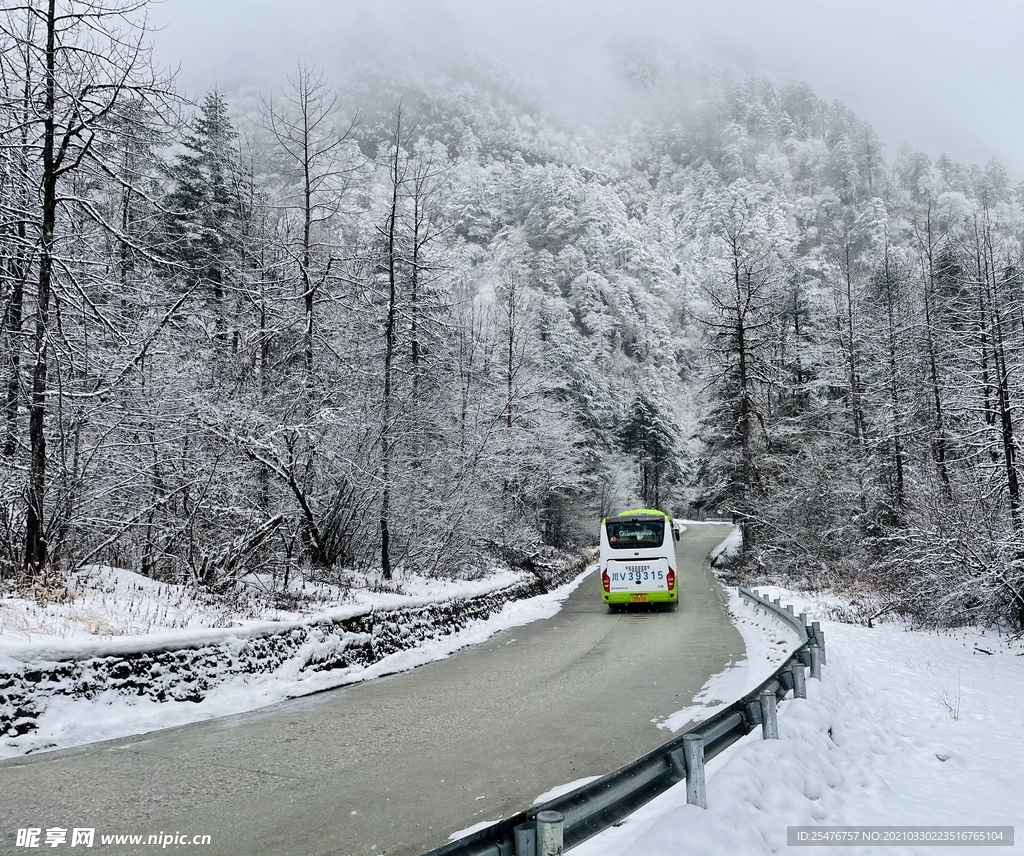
[565,821]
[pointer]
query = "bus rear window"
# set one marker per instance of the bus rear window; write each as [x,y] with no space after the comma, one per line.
[635,533]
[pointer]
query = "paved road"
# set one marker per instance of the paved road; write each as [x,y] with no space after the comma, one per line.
[395,766]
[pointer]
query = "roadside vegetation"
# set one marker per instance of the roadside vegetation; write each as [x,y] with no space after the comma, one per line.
[379,323]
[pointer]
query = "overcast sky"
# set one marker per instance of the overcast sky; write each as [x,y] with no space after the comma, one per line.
[946,75]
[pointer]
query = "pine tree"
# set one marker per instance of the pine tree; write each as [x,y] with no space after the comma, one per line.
[653,443]
[202,208]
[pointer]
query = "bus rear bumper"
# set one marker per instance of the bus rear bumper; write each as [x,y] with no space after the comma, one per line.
[641,597]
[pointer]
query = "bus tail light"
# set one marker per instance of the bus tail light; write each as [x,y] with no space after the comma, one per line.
[606,581]
[671,579]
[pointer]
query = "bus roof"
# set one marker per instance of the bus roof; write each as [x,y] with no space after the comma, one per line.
[641,512]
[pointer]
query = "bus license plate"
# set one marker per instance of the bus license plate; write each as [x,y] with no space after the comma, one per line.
[639,598]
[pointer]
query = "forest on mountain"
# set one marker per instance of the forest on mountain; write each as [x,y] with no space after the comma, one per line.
[401,323]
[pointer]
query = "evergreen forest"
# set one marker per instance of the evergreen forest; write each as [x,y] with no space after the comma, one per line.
[393,322]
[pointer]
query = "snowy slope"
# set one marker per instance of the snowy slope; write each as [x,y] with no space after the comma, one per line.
[101,688]
[112,610]
[906,728]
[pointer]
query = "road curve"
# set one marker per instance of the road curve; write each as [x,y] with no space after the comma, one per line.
[396,765]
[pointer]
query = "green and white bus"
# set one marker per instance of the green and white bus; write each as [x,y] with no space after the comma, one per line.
[638,558]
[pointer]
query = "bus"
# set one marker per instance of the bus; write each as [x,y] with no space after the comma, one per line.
[638,558]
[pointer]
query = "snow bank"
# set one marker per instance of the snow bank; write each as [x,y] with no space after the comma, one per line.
[768,642]
[728,549]
[117,612]
[906,728]
[54,696]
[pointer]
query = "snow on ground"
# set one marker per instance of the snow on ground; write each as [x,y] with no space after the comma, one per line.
[768,644]
[559,790]
[728,549]
[907,728]
[542,798]
[108,610]
[69,721]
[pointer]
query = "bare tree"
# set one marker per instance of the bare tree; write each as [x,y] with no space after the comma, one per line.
[79,61]
[930,235]
[396,164]
[890,282]
[316,147]
[741,325]
[993,283]
[15,69]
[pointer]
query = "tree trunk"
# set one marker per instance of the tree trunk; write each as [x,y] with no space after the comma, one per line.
[510,369]
[856,403]
[939,439]
[1002,380]
[307,283]
[18,270]
[899,490]
[35,536]
[386,440]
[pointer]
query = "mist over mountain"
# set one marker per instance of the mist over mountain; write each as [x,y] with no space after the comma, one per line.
[942,75]
[409,310]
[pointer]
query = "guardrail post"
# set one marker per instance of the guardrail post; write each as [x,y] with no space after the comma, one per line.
[803,621]
[816,662]
[549,833]
[789,608]
[525,838]
[769,717]
[799,680]
[786,681]
[678,763]
[693,752]
[821,644]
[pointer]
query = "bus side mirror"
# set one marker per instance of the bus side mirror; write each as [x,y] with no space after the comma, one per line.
[677,534]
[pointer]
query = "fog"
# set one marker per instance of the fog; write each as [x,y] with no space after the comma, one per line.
[945,75]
